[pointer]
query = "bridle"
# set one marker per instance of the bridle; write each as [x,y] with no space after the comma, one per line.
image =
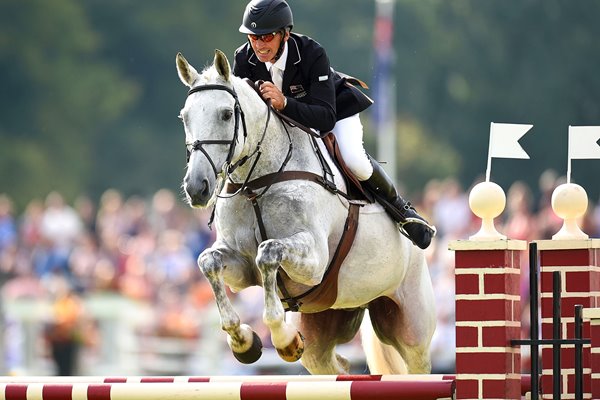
[238,114]
[229,167]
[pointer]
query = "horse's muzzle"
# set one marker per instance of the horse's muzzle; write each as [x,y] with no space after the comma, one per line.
[197,190]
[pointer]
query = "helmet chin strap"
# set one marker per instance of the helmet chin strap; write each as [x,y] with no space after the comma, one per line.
[281,44]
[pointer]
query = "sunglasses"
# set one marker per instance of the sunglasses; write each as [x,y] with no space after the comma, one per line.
[267,37]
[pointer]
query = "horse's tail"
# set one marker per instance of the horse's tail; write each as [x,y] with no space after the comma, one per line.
[382,359]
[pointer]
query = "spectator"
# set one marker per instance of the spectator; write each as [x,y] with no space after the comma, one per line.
[548,222]
[8,238]
[452,214]
[31,225]
[519,220]
[68,329]
[172,261]
[60,229]
[8,229]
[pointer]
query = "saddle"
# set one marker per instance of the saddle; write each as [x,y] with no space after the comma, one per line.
[353,186]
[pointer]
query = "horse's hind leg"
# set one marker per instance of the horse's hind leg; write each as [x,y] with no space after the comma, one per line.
[322,332]
[243,341]
[406,319]
[407,330]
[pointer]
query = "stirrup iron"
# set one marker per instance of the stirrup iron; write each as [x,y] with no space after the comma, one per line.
[411,220]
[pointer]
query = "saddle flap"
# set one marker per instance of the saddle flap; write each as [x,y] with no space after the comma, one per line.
[354,187]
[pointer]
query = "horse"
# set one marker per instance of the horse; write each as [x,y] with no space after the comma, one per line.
[231,140]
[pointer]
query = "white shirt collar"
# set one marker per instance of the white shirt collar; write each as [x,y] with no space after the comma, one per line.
[280,63]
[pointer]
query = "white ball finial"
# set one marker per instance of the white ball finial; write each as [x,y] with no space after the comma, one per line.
[487,200]
[569,202]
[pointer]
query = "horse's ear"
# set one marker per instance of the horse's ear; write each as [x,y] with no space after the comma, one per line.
[222,64]
[186,72]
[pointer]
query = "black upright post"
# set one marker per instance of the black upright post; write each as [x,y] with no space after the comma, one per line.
[556,335]
[534,320]
[578,353]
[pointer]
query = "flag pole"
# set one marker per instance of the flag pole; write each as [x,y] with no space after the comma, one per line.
[385,85]
[489,160]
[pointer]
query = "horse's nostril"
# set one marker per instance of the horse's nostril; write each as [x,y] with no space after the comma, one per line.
[198,190]
[205,188]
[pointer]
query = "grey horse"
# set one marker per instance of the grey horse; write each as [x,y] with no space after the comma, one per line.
[231,137]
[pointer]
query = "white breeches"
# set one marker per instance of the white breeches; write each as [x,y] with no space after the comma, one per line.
[349,136]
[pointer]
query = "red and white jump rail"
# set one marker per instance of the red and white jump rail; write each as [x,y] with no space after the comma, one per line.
[225,378]
[284,390]
[419,379]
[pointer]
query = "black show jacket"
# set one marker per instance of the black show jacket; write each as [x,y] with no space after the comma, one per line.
[317,96]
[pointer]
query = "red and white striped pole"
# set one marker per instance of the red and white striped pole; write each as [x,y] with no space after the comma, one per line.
[339,390]
[225,378]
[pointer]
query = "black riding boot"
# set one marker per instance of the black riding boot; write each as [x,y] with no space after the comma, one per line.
[417,228]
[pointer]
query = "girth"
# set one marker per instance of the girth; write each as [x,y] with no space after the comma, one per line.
[323,295]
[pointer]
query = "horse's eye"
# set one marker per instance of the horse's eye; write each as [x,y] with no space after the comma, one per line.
[226,114]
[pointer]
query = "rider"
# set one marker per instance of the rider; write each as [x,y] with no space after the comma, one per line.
[301,84]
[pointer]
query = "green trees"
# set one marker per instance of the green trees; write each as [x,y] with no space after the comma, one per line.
[57,97]
[89,94]
[464,64]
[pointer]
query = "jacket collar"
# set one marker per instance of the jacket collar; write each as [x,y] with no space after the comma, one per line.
[253,60]
[293,51]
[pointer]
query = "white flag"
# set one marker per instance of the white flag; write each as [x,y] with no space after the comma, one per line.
[504,140]
[583,142]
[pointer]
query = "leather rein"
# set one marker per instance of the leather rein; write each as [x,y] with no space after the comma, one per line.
[251,190]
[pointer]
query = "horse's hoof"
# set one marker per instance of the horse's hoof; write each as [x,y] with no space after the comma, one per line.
[294,350]
[253,353]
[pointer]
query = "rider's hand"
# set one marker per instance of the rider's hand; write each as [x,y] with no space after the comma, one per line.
[269,91]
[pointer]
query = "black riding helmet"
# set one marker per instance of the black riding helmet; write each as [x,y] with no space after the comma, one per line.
[266,16]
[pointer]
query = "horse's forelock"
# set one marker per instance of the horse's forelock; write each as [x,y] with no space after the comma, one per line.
[210,75]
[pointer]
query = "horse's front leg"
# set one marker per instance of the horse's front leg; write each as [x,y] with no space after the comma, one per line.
[243,341]
[303,260]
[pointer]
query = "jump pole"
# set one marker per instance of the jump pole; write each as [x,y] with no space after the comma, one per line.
[225,378]
[488,317]
[525,379]
[336,390]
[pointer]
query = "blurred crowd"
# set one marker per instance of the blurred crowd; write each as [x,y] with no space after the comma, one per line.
[142,249]
[146,249]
